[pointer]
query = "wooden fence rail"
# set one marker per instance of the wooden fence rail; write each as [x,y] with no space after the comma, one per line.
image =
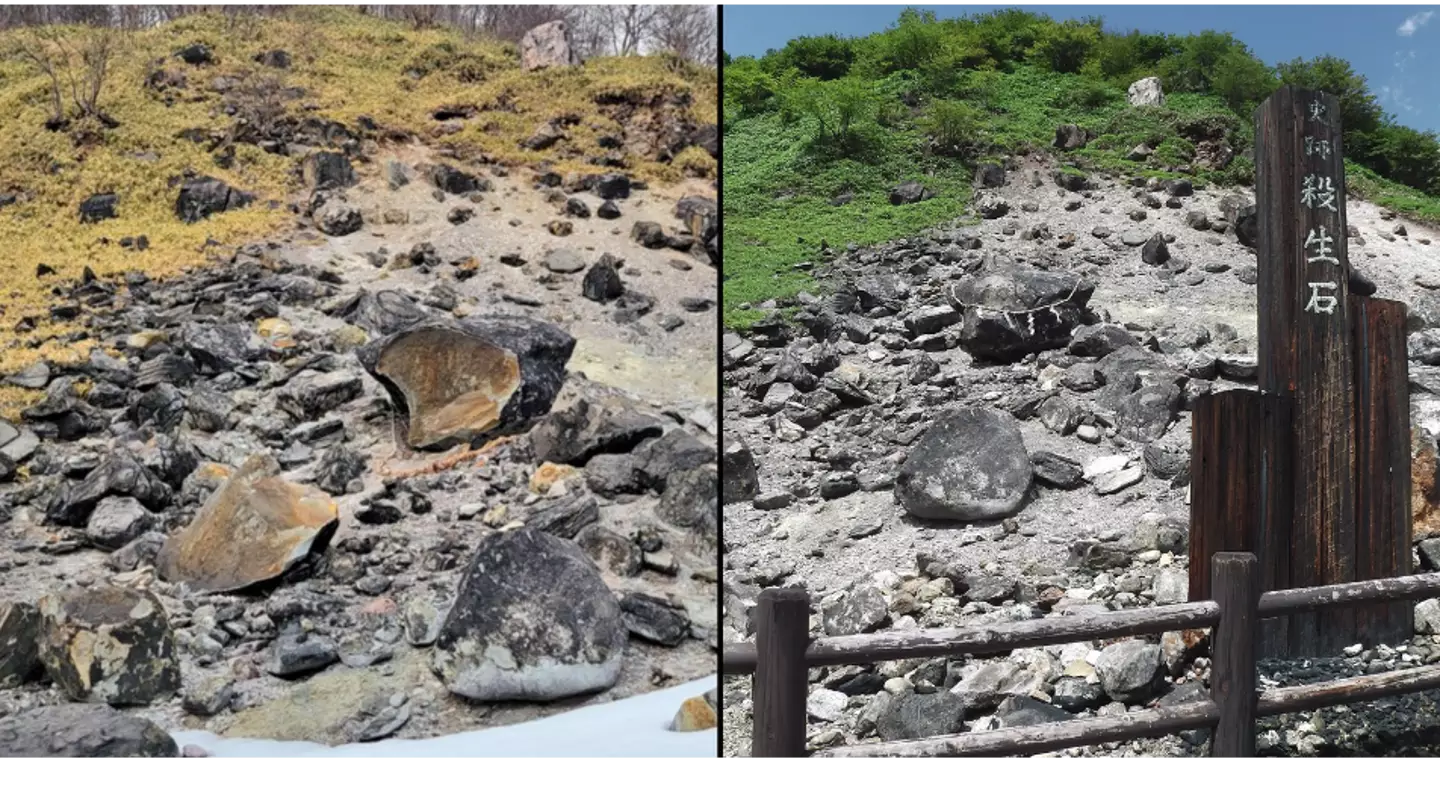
[783,654]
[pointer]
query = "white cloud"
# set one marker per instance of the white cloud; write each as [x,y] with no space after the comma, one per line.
[1413,23]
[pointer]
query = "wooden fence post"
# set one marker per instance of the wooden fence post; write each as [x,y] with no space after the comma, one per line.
[782,634]
[1235,581]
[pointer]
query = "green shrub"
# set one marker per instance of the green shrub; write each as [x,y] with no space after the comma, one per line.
[954,127]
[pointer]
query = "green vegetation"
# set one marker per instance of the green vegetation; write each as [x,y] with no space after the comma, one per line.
[927,99]
[344,65]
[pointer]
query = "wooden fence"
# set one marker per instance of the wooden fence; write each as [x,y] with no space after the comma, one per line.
[783,653]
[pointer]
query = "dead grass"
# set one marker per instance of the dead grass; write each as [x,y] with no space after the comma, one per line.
[347,65]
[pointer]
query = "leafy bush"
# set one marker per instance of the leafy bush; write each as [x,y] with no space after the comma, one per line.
[822,57]
[748,86]
[954,127]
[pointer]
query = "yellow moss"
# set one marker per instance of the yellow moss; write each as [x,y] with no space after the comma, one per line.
[347,65]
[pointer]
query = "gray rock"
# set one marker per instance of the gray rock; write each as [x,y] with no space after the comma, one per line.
[613,552]
[1025,711]
[546,46]
[826,705]
[208,696]
[1100,339]
[295,655]
[655,620]
[1146,414]
[1077,694]
[565,262]
[861,609]
[201,197]
[532,620]
[422,622]
[1128,670]
[310,396]
[917,716]
[739,479]
[1057,470]
[116,521]
[339,219]
[1172,586]
[83,731]
[984,688]
[970,465]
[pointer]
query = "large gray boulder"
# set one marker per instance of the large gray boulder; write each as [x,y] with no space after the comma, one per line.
[83,731]
[1129,670]
[202,196]
[1010,312]
[532,620]
[970,465]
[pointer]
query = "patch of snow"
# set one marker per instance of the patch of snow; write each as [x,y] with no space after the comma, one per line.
[634,727]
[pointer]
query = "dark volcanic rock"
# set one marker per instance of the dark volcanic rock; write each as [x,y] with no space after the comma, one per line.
[586,428]
[1145,414]
[602,281]
[202,196]
[1057,470]
[910,192]
[119,474]
[653,619]
[385,312]
[328,170]
[971,464]
[532,620]
[98,207]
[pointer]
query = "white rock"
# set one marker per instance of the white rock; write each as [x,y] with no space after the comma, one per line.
[1112,482]
[1146,93]
[1172,586]
[1103,465]
[826,705]
[1427,616]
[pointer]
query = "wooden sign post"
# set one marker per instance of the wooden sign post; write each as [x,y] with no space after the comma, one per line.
[1324,442]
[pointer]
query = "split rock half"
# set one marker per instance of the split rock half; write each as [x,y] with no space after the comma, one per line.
[472,379]
[253,528]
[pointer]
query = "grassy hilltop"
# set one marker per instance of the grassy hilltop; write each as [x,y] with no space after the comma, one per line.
[816,134]
[344,66]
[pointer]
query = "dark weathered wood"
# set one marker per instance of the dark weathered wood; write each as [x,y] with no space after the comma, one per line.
[781,674]
[1382,462]
[1239,501]
[1406,589]
[1236,578]
[999,638]
[1304,339]
[1044,738]
[737,659]
[1353,689]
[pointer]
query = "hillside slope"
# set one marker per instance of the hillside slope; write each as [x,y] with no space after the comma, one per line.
[249,123]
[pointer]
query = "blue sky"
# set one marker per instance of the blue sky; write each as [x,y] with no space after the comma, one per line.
[1397,48]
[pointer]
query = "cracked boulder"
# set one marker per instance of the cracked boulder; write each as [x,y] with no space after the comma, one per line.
[254,528]
[970,465]
[83,731]
[1009,313]
[472,379]
[108,644]
[532,620]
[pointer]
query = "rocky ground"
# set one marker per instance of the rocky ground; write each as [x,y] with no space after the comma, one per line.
[990,422]
[440,458]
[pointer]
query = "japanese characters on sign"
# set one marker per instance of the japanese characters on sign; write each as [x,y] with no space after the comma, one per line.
[1318,194]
